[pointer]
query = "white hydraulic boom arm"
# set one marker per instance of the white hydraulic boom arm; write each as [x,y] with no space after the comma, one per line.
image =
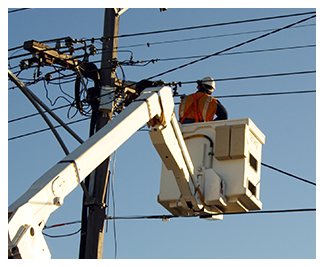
[155,106]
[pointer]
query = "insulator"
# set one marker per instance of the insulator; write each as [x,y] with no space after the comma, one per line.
[69,42]
[48,77]
[93,50]
[58,44]
[23,65]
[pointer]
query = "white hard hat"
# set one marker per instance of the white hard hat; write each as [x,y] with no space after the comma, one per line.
[209,81]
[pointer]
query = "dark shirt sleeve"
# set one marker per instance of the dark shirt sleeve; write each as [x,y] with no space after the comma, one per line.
[221,112]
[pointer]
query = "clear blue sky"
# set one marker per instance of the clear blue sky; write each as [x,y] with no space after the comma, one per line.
[288,121]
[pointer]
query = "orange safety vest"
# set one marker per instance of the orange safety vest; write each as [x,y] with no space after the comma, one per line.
[198,106]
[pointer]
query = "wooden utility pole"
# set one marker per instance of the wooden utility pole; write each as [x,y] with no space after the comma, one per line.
[93,216]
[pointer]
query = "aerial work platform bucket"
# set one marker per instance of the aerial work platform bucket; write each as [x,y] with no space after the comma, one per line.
[227,165]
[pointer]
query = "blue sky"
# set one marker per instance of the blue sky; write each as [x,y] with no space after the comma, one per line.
[288,122]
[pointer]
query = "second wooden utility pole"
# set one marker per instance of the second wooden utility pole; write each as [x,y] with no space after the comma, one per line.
[93,217]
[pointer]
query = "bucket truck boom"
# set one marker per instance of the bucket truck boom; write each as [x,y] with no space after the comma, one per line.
[155,106]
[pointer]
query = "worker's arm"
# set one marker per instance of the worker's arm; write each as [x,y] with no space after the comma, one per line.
[221,112]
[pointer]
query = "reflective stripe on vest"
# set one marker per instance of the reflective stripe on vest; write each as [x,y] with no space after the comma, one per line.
[207,102]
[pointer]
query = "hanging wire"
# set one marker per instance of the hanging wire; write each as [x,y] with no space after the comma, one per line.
[111,189]
[113,199]
[57,98]
[59,83]
[65,235]
[60,225]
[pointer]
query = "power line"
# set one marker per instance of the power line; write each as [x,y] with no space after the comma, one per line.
[43,130]
[232,47]
[166,217]
[258,76]
[233,53]
[239,53]
[215,24]
[17,10]
[262,94]
[289,174]
[268,94]
[148,44]
[113,200]
[35,114]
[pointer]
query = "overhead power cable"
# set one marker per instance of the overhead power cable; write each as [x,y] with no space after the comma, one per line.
[17,10]
[46,129]
[231,53]
[35,114]
[260,94]
[205,37]
[258,76]
[289,174]
[166,217]
[268,94]
[232,47]
[215,24]
[240,52]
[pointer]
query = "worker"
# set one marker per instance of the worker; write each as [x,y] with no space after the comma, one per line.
[201,106]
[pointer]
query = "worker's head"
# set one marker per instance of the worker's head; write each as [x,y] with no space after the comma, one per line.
[206,85]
